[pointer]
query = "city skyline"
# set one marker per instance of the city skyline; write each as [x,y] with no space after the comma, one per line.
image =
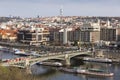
[33,8]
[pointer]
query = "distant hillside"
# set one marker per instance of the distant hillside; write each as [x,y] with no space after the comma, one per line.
[4,19]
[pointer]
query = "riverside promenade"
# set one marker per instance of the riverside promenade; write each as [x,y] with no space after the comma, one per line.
[113,54]
[38,48]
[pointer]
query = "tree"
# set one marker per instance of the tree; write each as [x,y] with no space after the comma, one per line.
[11,73]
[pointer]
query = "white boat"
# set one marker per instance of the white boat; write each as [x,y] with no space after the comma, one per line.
[17,51]
[20,52]
[94,72]
[57,64]
[34,53]
[102,60]
[1,47]
[4,49]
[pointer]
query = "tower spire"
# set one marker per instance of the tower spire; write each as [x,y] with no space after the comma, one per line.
[61,14]
[61,10]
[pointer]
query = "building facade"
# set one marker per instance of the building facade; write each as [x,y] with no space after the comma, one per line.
[90,32]
[110,34]
[34,37]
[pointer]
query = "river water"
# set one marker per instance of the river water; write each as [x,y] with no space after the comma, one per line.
[51,73]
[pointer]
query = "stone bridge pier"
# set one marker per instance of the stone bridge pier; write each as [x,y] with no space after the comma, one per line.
[67,60]
[28,67]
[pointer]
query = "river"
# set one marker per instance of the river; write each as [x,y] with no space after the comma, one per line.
[51,73]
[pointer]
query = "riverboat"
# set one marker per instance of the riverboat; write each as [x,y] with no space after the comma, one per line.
[4,49]
[101,60]
[70,70]
[56,64]
[34,53]
[21,52]
[17,51]
[94,72]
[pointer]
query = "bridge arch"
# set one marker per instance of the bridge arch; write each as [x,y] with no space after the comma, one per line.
[33,63]
[82,55]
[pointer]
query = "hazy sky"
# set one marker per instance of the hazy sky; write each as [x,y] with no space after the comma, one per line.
[32,8]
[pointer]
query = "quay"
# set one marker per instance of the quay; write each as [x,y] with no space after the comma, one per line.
[114,55]
[39,48]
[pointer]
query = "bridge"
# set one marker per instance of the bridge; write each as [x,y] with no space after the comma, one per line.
[24,62]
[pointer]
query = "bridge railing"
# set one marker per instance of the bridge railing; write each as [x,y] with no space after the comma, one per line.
[16,60]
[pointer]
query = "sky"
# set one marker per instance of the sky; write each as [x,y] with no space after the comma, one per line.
[33,8]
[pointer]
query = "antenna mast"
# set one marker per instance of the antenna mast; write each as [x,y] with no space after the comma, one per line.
[61,14]
[61,10]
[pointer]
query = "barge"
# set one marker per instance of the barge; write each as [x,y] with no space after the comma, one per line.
[100,60]
[94,72]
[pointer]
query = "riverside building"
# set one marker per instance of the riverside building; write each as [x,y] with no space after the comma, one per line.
[34,36]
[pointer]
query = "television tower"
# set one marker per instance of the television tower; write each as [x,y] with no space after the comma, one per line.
[61,14]
[61,11]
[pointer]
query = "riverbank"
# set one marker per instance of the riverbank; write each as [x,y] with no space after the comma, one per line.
[114,55]
[12,73]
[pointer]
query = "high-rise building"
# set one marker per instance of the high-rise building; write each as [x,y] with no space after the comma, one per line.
[90,32]
[38,36]
[110,34]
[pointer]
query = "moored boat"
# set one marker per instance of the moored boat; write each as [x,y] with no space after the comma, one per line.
[21,52]
[57,64]
[94,72]
[71,70]
[101,60]
[4,49]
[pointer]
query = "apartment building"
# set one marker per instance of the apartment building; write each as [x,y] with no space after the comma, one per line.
[110,34]
[90,32]
[34,36]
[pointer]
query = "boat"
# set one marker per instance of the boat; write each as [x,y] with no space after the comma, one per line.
[94,72]
[56,64]
[1,48]
[97,59]
[70,70]
[4,49]
[20,52]
[17,51]
[34,53]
